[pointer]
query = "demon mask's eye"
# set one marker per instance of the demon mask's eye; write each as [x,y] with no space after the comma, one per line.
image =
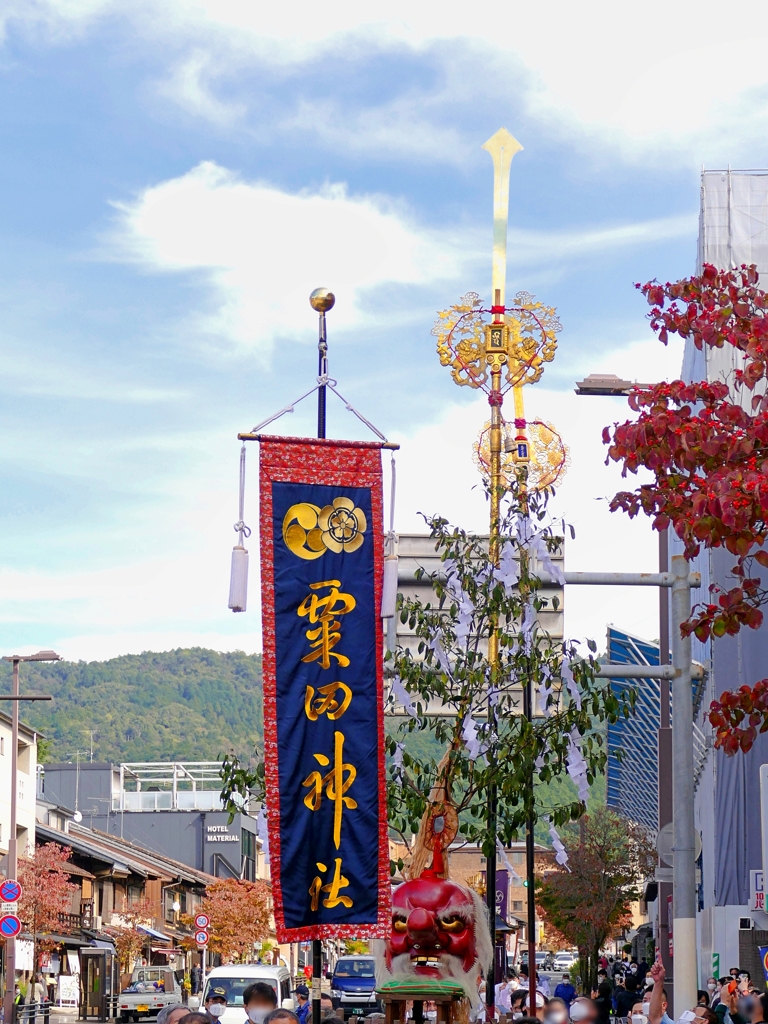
[399,923]
[452,923]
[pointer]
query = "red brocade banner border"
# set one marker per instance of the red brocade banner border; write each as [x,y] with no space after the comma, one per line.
[341,464]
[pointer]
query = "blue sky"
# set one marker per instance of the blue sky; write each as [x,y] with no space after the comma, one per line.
[175,178]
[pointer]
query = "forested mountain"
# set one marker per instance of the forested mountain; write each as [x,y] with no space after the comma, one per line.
[189,705]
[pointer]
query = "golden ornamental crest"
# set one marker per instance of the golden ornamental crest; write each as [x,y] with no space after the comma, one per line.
[521,342]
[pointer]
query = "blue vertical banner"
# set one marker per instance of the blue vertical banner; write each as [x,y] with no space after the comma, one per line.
[321,576]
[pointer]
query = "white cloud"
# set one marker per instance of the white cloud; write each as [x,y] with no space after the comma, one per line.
[265,249]
[652,81]
[262,250]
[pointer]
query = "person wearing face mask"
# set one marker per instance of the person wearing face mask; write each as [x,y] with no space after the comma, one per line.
[583,1011]
[215,1002]
[516,1004]
[259,999]
[713,991]
[555,1012]
[303,1007]
[566,991]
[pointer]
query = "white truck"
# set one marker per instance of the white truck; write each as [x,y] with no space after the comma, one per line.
[151,989]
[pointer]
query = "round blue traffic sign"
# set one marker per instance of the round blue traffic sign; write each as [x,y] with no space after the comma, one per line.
[10,925]
[10,891]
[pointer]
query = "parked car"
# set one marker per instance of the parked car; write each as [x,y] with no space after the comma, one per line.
[353,986]
[150,989]
[235,978]
[564,961]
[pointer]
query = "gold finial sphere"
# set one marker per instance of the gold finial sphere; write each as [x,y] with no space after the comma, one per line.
[322,300]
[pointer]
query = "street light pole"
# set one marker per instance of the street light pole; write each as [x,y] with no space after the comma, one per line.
[675,749]
[13,859]
[321,300]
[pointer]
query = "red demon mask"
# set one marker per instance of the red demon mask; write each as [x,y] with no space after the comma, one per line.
[432,917]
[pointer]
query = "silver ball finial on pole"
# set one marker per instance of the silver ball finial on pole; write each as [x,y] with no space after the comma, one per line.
[321,300]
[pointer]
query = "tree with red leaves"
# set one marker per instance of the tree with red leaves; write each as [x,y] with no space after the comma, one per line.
[129,939]
[241,917]
[591,901]
[706,444]
[46,893]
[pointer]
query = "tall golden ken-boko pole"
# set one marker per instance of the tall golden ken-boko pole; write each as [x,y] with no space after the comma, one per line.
[514,346]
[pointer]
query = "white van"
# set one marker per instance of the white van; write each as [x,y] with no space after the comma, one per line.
[236,978]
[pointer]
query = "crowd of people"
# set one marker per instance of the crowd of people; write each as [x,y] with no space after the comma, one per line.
[630,993]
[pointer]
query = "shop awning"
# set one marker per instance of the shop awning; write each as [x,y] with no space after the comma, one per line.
[102,944]
[151,931]
[168,952]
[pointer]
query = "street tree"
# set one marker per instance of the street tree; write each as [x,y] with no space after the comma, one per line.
[46,894]
[706,446]
[240,915]
[470,704]
[609,857]
[129,939]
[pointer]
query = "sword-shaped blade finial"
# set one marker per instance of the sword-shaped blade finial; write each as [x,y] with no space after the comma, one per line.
[502,146]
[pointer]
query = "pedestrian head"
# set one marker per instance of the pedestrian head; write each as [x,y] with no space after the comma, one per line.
[259,999]
[302,992]
[326,1005]
[734,972]
[604,990]
[702,998]
[172,1013]
[216,1000]
[556,1012]
[524,970]
[281,1015]
[566,978]
[583,1011]
[632,983]
[195,1018]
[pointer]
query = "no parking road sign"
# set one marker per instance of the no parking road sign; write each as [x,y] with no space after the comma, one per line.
[202,921]
[10,891]
[201,937]
[10,925]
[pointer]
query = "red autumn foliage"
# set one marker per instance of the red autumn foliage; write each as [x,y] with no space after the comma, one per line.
[46,893]
[707,447]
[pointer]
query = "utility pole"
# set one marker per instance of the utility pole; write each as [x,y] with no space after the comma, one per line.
[13,856]
[684,862]
[321,300]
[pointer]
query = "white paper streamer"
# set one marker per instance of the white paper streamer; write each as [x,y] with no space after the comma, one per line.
[508,571]
[544,690]
[436,644]
[534,542]
[469,733]
[402,696]
[561,854]
[566,674]
[577,766]
[507,862]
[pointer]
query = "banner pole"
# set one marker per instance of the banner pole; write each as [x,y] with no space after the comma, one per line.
[320,300]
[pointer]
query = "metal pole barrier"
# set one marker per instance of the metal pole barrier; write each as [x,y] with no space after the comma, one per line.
[684,866]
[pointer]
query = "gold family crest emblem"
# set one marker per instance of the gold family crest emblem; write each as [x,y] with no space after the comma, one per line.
[309,531]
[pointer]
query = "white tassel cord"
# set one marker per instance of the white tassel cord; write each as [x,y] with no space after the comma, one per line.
[238,578]
[389,588]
